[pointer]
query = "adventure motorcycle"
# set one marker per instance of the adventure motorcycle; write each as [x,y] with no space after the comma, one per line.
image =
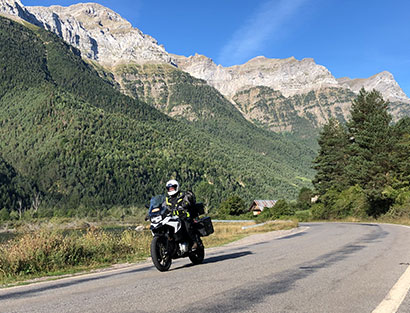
[170,239]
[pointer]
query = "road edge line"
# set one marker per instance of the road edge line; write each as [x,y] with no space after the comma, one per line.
[396,295]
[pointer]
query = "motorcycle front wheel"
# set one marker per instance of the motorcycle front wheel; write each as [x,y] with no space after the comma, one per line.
[197,256]
[159,254]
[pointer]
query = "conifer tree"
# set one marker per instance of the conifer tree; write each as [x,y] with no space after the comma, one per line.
[332,157]
[401,152]
[369,163]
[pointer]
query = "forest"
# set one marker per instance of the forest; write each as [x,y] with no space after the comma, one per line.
[71,144]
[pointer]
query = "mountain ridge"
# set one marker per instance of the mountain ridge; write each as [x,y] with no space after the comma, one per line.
[111,43]
[104,36]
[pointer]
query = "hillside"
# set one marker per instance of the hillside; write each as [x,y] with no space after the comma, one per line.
[84,144]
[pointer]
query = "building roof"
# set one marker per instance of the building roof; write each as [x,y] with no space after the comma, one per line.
[264,203]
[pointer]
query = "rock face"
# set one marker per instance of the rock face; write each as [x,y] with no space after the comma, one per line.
[14,8]
[289,76]
[98,32]
[383,82]
[300,114]
[287,95]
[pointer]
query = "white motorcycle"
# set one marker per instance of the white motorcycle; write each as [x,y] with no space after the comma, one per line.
[170,239]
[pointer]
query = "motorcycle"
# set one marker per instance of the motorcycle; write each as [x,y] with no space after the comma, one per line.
[170,240]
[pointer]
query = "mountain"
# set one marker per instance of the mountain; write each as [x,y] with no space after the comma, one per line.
[289,76]
[98,32]
[83,144]
[288,94]
[311,93]
[383,82]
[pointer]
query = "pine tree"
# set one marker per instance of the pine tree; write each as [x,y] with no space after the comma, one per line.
[401,153]
[332,157]
[369,164]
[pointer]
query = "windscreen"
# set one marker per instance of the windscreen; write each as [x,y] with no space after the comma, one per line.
[157,205]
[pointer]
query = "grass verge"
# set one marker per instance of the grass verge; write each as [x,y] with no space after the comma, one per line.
[48,252]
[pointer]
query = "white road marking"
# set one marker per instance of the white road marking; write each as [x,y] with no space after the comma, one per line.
[395,297]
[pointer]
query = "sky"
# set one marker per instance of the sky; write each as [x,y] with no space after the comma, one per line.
[351,38]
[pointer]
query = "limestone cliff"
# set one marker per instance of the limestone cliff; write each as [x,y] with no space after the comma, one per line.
[98,32]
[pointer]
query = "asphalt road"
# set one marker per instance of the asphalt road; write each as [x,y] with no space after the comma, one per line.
[338,267]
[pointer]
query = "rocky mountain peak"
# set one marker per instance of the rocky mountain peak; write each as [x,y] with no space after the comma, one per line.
[289,76]
[14,8]
[383,82]
[10,6]
[104,36]
[94,16]
[98,32]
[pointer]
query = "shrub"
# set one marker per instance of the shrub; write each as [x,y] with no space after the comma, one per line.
[281,208]
[351,202]
[334,204]
[4,215]
[401,206]
[319,211]
[304,198]
[303,215]
[234,206]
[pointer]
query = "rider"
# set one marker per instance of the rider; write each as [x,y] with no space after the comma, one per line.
[179,202]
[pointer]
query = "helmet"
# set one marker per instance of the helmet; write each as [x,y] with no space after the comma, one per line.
[172,187]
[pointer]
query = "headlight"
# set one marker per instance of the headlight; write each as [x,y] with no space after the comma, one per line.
[156,219]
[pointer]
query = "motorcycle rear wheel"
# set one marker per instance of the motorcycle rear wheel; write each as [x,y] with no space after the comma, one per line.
[159,254]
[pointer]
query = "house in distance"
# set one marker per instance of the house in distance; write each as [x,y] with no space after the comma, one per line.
[258,205]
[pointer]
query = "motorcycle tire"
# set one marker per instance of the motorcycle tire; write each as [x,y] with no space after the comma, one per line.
[197,256]
[160,257]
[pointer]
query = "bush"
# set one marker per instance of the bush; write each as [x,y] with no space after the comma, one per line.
[335,205]
[303,215]
[319,211]
[401,206]
[234,206]
[281,208]
[304,198]
[351,202]
[4,215]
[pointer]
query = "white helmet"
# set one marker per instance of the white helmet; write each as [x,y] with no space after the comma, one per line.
[172,187]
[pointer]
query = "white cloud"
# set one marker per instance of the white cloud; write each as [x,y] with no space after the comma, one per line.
[262,26]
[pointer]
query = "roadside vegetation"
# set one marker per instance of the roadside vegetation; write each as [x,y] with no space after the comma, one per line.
[46,252]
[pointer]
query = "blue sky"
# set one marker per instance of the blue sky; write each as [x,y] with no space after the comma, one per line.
[351,38]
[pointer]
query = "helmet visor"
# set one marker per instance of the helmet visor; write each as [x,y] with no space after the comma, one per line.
[172,187]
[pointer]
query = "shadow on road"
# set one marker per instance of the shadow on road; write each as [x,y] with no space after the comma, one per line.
[292,236]
[224,257]
[218,258]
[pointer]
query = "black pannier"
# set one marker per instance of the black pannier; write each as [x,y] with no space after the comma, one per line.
[205,227]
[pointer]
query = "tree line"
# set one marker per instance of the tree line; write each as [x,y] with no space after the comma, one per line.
[363,168]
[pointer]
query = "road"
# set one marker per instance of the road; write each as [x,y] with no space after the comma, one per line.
[320,267]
